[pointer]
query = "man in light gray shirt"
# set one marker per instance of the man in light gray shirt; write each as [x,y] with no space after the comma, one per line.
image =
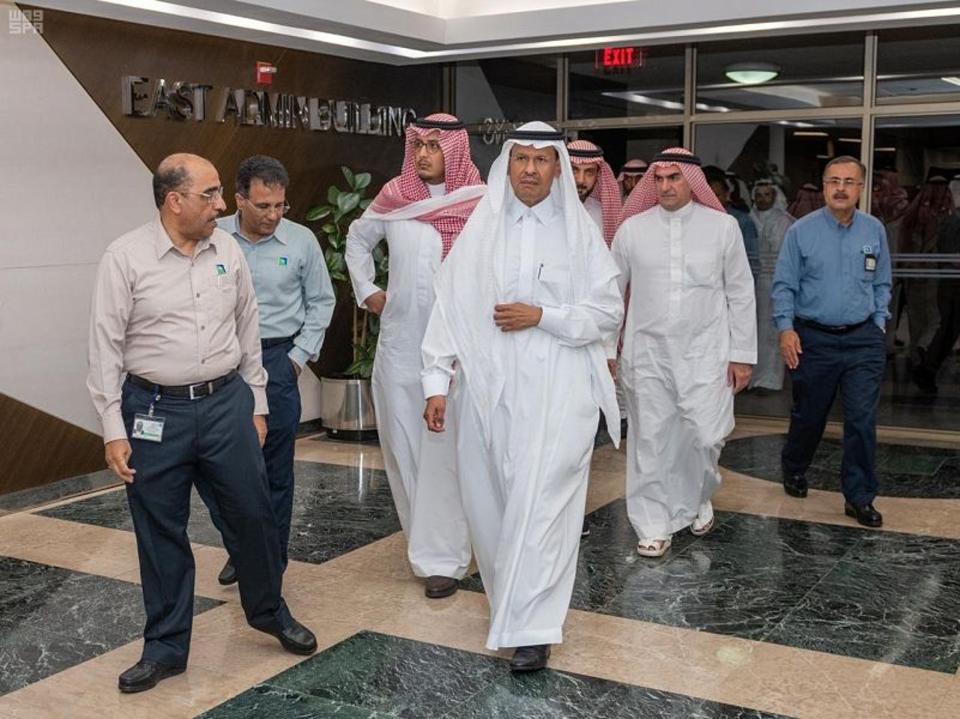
[177,379]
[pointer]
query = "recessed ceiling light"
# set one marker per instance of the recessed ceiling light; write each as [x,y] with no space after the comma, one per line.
[751,73]
[884,149]
[850,139]
[810,133]
[952,80]
[824,157]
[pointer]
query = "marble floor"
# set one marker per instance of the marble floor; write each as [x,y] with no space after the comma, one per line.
[788,609]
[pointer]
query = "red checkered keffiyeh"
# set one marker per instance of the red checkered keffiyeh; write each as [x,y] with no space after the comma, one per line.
[644,195]
[459,171]
[606,190]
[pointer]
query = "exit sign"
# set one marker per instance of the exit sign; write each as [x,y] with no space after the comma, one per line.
[619,58]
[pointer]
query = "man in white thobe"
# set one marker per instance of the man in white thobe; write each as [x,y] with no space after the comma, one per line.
[524,305]
[689,343]
[420,213]
[772,220]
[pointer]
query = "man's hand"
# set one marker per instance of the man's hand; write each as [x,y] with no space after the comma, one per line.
[790,348]
[516,316]
[260,422]
[297,369]
[612,366]
[738,375]
[435,411]
[376,302]
[117,453]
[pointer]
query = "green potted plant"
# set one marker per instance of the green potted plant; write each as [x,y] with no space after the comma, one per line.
[346,402]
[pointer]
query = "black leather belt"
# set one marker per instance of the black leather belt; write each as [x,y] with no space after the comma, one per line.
[831,329]
[267,342]
[183,391]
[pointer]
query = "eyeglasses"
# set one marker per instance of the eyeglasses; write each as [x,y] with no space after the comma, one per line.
[431,146]
[210,196]
[266,208]
[841,181]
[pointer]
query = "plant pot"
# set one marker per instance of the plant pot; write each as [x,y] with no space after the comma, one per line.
[346,408]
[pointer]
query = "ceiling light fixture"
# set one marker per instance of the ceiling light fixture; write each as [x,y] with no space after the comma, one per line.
[752,73]
[884,149]
[271,30]
[855,140]
[954,80]
[810,133]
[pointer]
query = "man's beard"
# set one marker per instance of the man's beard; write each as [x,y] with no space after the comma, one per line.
[584,193]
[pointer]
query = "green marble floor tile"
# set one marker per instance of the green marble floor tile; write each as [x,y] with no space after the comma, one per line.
[385,673]
[269,702]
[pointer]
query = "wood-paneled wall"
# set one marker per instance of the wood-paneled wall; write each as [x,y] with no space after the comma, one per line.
[100,52]
[38,448]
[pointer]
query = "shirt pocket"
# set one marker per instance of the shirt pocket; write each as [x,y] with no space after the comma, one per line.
[223,296]
[555,285]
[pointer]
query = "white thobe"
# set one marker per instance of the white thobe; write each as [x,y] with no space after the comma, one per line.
[772,226]
[525,493]
[420,465]
[692,311]
[594,208]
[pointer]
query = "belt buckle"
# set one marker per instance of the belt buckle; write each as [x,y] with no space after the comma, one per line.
[193,387]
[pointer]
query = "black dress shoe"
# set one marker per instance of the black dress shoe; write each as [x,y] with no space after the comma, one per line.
[228,575]
[146,674]
[795,485]
[297,639]
[865,514]
[438,587]
[530,659]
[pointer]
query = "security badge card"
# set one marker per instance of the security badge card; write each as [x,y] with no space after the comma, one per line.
[869,259]
[148,426]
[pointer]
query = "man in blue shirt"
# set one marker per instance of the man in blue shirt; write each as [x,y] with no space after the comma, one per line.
[830,295]
[296,300]
[717,179]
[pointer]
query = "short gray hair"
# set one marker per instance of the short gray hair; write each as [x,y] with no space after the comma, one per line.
[847,160]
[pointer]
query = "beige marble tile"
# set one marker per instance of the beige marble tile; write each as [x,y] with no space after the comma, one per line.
[223,643]
[350,454]
[89,690]
[740,493]
[72,545]
[811,684]
[645,654]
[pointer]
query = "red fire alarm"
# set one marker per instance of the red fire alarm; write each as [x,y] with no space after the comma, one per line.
[265,73]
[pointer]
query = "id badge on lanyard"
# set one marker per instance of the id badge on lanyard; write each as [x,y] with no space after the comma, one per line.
[148,427]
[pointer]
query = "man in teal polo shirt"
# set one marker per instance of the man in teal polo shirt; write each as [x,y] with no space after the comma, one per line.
[296,300]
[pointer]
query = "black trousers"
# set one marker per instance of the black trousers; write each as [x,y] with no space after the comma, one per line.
[853,364]
[283,396]
[210,442]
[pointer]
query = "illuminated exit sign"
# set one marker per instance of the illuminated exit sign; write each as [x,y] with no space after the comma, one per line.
[612,59]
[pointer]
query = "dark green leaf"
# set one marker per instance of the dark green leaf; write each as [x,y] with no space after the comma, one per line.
[348,201]
[364,204]
[317,213]
[361,180]
[348,174]
[332,194]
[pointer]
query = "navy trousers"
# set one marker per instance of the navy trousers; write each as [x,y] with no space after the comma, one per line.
[283,397]
[852,363]
[211,443]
